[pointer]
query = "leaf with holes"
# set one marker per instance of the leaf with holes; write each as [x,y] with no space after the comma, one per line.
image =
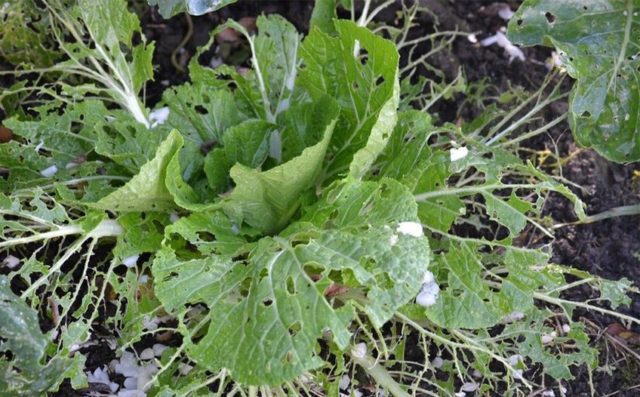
[169,8]
[599,45]
[23,374]
[268,310]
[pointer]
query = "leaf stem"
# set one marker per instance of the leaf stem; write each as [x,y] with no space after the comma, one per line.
[560,302]
[105,228]
[472,189]
[62,232]
[379,374]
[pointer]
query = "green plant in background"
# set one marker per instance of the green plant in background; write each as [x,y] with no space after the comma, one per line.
[294,223]
[598,44]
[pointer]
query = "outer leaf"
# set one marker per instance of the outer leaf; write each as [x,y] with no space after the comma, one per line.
[598,42]
[469,302]
[62,134]
[359,69]
[126,142]
[169,8]
[146,191]
[23,375]
[268,311]
[22,36]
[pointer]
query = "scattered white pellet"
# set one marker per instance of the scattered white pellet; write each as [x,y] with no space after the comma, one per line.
[476,374]
[515,359]
[548,338]
[101,375]
[344,383]
[393,240]
[428,294]
[505,12]
[472,38]
[566,328]
[11,262]
[137,375]
[554,62]
[215,62]
[469,387]
[158,349]
[150,323]
[147,354]
[410,228]
[159,116]
[437,362]
[130,383]
[460,394]
[458,153]
[173,217]
[428,277]
[500,39]
[49,171]
[548,393]
[517,374]
[359,350]
[143,279]
[130,261]
[513,317]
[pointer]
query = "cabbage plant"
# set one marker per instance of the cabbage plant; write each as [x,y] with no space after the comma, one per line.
[286,225]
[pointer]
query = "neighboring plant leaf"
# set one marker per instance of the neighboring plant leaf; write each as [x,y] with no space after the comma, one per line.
[23,374]
[101,57]
[598,44]
[280,293]
[146,191]
[469,301]
[23,36]
[60,131]
[169,8]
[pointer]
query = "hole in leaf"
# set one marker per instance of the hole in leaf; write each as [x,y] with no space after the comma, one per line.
[379,81]
[206,236]
[519,22]
[550,17]
[586,114]
[364,56]
[201,110]
[206,146]
[267,302]
[294,328]
[291,286]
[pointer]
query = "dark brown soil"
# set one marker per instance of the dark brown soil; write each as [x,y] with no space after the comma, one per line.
[609,248]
